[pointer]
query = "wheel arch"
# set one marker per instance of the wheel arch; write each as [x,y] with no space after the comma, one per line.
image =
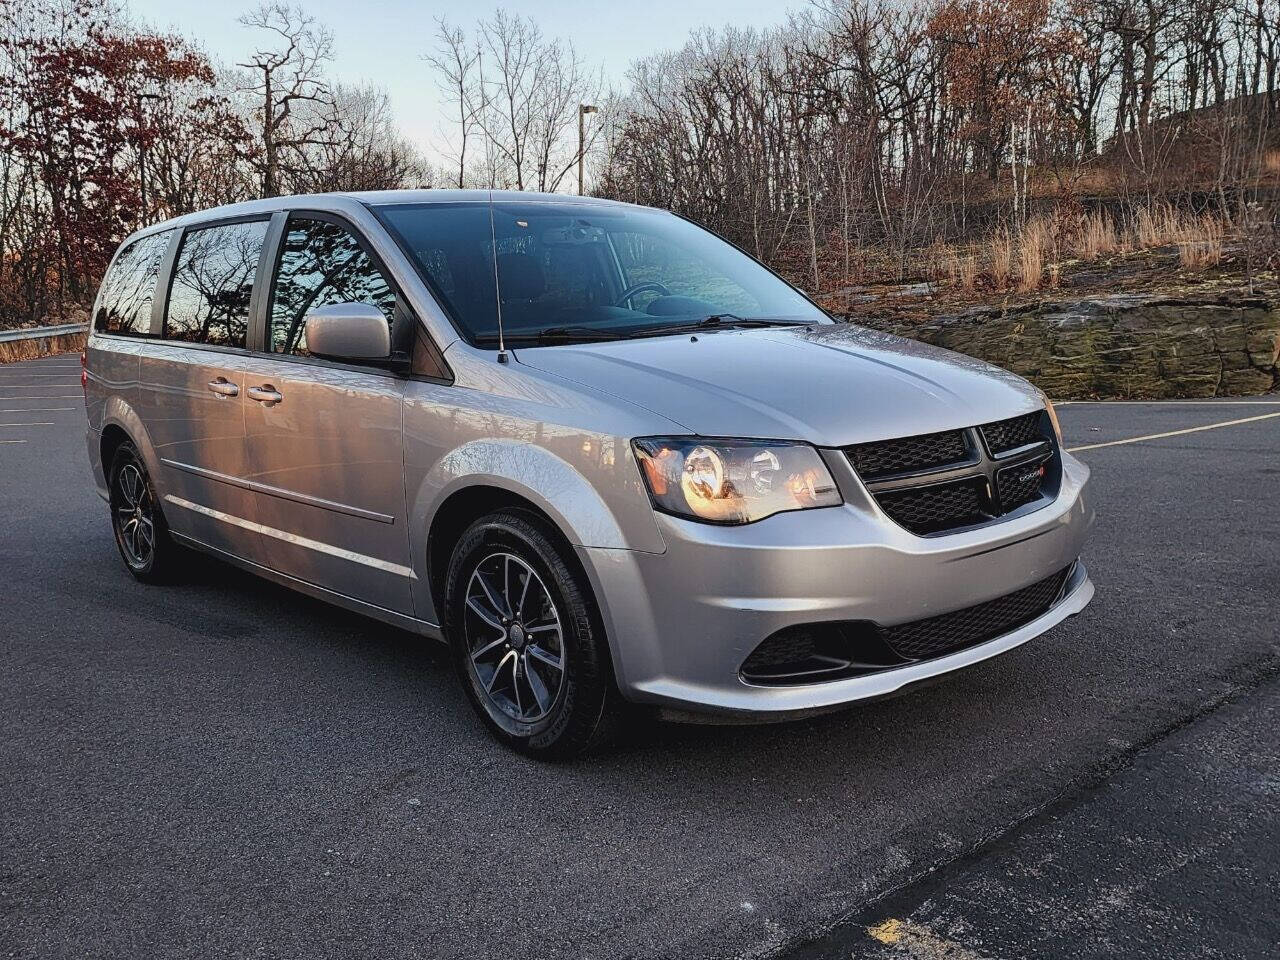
[121,422]
[489,473]
[463,507]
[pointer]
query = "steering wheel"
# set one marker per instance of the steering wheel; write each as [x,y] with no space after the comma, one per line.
[632,290]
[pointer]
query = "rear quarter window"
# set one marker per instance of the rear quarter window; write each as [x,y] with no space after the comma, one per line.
[213,282]
[129,288]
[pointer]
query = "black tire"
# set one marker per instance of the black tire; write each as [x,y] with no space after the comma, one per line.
[135,514]
[490,646]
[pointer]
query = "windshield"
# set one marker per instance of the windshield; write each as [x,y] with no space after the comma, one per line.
[572,271]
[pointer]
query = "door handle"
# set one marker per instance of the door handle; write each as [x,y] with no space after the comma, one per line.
[224,388]
[266,394]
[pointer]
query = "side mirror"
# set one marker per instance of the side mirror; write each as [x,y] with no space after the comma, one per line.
[348,331]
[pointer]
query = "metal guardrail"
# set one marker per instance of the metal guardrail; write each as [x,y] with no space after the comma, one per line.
[40,333]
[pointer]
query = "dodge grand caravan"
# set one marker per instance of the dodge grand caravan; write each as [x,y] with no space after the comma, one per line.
[602,453]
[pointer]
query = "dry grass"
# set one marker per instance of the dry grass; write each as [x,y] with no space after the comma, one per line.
[1034,246]
[1199,239]
[1001,253]
[1200,244]
[1158,225]
[12,351]
[1096,237]
[1271,162]
[963,272]
[938,259]
[1032,258]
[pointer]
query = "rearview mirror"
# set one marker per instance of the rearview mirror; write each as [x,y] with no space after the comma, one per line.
[348,331]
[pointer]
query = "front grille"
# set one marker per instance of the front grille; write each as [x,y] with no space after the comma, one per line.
[1019,485]
[1010,434]
[937,482]
[939,507]
[924,639]
[908,453]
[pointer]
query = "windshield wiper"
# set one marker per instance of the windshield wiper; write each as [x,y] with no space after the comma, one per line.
[561,334]
[729,320]
[719,321]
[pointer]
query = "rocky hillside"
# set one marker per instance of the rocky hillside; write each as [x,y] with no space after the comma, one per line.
[1139,329]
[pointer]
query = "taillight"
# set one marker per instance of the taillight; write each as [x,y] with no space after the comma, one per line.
[84,370]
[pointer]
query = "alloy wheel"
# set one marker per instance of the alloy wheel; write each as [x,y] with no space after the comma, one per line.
[514,637]
[134,515]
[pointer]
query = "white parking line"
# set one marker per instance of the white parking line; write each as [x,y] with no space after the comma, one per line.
[13,441]
[1174,433]
[1169,403]
[20,373]
[33,409]
[55,396]
[43,423]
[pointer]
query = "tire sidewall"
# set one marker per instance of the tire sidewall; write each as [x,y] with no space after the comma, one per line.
[522,537]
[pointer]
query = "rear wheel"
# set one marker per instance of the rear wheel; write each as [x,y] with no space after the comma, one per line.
[142,536]
[526,638]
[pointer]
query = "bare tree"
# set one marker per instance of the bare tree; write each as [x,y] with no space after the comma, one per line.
[456,62]
[520,92]
[286,75]
[361,149]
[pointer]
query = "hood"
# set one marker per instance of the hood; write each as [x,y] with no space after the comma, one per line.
[831,385]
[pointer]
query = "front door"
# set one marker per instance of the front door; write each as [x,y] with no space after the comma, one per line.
[324,440]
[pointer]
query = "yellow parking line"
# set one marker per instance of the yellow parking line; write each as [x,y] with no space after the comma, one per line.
[918,942]
[1174,433]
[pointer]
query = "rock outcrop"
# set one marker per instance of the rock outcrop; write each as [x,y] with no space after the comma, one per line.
[1125,345]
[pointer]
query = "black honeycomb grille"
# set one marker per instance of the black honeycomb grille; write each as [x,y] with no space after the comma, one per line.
[943,506]
[937,482]
[1019,485]
[785,647]
[948,632]
[908,453]
[1010,434]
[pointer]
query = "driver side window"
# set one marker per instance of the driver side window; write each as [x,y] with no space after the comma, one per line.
[321,263]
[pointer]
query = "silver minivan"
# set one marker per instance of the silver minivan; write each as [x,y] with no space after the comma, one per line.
[602,453]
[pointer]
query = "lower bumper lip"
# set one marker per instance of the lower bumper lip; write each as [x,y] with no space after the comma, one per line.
[765,704]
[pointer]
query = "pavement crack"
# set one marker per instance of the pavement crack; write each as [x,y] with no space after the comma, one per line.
[1246,680]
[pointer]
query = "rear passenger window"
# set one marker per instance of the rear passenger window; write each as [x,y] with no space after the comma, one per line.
[321,263]
[130,287]
[212,284]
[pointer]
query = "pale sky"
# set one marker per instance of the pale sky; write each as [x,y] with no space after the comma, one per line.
[381,40]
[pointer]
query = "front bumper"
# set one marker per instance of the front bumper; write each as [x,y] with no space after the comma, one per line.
[681,623]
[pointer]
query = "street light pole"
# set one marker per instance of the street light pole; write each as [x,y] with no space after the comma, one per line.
[583,110]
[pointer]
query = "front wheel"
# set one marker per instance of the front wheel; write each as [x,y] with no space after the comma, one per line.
[526,639]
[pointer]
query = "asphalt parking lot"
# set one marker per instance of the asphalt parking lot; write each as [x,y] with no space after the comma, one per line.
[223,768]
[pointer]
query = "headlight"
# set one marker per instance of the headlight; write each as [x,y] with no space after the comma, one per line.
[1053,416]
[733,481]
